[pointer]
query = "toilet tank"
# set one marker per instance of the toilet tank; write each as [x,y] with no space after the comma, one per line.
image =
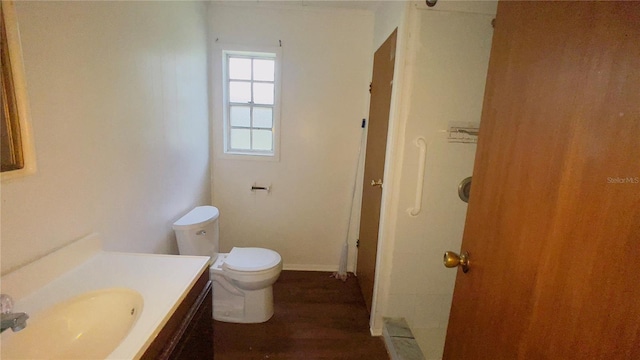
[197,232]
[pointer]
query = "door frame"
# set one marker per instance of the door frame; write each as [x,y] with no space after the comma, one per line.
[398,116]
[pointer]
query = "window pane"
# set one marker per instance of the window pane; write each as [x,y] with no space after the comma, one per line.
[262,117]
[239,92]
[240,139]
[263,93]
[262,140]
[240,116]
[239,68]
[264,69]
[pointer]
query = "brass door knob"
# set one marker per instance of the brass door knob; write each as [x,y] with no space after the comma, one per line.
[376,183]
[451,260]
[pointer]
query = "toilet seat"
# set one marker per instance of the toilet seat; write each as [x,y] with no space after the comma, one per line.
[244,296]
[251,259]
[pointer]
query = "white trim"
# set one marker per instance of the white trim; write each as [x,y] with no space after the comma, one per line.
[310,267]
[392,170]
[20,88]
[223,51]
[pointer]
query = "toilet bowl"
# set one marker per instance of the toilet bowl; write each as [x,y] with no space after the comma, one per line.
[242,279]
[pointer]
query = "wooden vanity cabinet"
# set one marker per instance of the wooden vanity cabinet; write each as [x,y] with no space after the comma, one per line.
[189,332]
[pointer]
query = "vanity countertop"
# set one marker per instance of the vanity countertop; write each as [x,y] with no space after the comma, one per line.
[162,280]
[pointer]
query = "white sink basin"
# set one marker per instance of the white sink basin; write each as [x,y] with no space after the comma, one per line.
[88,326]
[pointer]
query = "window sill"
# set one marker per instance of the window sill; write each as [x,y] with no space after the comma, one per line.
[247,156]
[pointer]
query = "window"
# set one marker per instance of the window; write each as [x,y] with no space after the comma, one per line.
[250,101]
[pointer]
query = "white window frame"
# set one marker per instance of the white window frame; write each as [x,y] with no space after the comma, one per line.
[274,53]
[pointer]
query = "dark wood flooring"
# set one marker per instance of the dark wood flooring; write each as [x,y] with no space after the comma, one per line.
[316,317]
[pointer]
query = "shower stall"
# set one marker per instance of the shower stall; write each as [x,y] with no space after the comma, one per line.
[447,54]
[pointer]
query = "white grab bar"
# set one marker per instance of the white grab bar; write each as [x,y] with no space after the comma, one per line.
[417,206]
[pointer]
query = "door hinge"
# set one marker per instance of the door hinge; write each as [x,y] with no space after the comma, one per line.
[358,243]
[370,87]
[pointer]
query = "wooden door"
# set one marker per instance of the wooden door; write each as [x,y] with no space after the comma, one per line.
[379,107]
[553,225]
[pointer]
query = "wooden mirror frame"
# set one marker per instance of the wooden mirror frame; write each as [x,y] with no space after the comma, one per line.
[16,147]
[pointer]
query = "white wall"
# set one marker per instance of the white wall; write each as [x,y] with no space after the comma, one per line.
[326,69]
[449,50]
[388,16]
[118,97]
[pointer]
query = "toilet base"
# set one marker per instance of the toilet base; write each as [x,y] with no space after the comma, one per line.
[234,305]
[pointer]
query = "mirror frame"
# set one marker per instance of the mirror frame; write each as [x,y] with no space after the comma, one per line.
[18,118]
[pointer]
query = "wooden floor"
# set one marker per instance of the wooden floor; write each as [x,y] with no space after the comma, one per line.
[316,317]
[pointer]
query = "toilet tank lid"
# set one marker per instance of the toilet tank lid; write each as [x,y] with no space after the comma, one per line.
[251,259]
[199,216]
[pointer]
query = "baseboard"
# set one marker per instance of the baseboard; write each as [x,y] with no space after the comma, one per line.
[310,267]
[376,331]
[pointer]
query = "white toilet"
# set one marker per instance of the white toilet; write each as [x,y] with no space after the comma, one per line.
[242,279]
